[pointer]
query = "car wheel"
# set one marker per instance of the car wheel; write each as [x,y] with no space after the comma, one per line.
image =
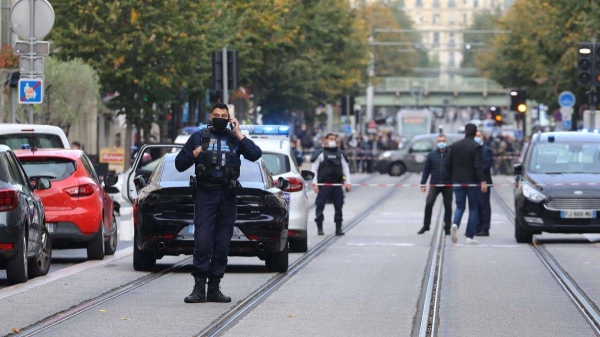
[299,246]
[95,248]
[277,262]
[397,169]
[143,261]
[110,245]
[40,265]
[522,235]
[16,266]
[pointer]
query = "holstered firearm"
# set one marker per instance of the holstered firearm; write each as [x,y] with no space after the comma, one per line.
[193,183]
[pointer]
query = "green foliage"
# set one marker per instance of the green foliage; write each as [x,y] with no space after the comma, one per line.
[482,20]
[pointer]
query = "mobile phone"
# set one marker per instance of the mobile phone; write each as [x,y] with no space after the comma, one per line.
[232,125]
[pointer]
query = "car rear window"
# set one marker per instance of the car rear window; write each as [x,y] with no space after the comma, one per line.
[250,172]
[39,140]
[276,163]
[52,168]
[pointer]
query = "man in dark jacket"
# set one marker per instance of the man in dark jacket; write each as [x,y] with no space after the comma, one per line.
[436,167]
[485,209]
[465,164]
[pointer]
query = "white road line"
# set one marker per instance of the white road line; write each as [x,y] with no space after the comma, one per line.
[78,268]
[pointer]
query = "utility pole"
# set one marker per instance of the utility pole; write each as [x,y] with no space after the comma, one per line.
[225,77]
[370,89]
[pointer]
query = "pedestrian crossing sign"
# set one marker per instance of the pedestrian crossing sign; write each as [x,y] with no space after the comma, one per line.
[31,90]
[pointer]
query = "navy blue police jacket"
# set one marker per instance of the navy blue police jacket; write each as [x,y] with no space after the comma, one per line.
[435,165]
[246,147]
[488,163]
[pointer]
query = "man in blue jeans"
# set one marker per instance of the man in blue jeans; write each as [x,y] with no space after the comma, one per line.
[465,165]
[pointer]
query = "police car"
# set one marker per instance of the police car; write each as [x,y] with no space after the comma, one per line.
[280,160]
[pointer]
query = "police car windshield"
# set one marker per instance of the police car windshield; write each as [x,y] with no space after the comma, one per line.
[572,157]
[276,163]
[249,172]
[39,140]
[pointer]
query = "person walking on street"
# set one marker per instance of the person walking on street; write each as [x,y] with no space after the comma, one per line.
[216,154]
[465,164]
[436,167]
[330,167]
[485,208]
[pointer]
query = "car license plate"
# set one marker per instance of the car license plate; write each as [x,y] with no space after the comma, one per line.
[191,228]
[578,214]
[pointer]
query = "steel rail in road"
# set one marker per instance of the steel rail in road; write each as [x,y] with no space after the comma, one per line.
[87,305]
[231,317]
[433,282]
[569,286]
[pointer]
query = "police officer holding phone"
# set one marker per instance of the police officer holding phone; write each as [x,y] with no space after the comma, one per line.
[216,153]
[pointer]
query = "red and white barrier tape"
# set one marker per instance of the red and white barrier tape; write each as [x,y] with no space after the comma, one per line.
[455,185]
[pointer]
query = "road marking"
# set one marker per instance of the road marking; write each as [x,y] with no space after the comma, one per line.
[485,245]
[78,268]
[380,244]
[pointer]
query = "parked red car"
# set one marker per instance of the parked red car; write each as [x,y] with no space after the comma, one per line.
[79,212]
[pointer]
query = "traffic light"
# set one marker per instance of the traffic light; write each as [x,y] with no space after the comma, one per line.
[347,105]
[217,70]
[518,100]
[497,116]
[585,61]
[232,70]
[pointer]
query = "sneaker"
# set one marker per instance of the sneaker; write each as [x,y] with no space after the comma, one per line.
[453,231]
[471,241]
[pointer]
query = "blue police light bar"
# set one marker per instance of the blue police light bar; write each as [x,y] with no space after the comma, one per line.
[266,130]
[25,147]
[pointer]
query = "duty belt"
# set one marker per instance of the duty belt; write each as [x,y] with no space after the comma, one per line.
[211,187]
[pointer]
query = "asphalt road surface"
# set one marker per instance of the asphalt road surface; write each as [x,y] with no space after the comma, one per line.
[368,282]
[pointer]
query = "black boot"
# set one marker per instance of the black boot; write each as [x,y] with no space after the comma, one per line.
[214,294]
[320,228]
[198,295]
[338,229]
[423,230]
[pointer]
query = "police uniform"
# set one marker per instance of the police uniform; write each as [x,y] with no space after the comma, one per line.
[330,167]
[215,211]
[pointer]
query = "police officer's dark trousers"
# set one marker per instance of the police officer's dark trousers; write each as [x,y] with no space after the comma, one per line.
[337,194]
[431,196]
[214,217]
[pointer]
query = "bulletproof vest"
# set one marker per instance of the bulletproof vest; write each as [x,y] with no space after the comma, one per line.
[330,169]
[218,167]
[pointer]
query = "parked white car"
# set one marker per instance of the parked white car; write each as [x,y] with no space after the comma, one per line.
[34,135]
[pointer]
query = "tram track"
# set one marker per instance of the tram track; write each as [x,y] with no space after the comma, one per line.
[582,302]
[255,298]
[231,317]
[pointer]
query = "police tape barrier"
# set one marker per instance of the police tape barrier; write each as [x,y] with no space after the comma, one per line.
[454,185]
[373,152]
[377,158]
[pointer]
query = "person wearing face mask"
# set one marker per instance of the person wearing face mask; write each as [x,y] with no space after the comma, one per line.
[216,153]
[436,167]
[331,168]
[485,208]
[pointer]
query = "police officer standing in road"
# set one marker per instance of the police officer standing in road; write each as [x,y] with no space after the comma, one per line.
[436,166]
[330,167]
[485,208]
[216,153]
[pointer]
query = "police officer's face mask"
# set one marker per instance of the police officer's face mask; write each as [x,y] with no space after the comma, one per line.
[219,123]
[331,143]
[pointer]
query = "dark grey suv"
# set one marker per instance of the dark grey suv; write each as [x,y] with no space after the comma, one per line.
[412,155]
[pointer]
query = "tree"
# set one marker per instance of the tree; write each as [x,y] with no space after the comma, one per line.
[482,20]
[71,91]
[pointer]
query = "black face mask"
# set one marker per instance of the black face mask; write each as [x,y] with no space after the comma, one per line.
[219,123]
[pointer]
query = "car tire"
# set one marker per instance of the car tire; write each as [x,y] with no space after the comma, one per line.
[522,235]
[95,248]
[16,266]
[299,246]
[40,264]
[143,261]
[110,245]
[277,262]
[397,169]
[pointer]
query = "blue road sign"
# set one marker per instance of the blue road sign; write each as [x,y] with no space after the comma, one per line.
[347,129]
[566,99]
[31,91]
[566,125]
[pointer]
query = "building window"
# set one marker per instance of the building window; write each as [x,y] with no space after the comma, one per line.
[436,38]
[465,17]
[451,59]
[419,3]
[436,3]
[451,39]
[475,3]
[451,3]
[451,18]
[436,19]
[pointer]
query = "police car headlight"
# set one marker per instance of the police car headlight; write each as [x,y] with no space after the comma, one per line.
[532,194]
[386,154]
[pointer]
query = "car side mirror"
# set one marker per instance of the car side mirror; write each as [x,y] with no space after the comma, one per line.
[282,183]
[110,180]
[307,175]
[518,169]
[139,182]
[42,184]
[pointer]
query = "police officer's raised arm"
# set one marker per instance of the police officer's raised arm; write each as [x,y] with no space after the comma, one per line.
[188,154]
